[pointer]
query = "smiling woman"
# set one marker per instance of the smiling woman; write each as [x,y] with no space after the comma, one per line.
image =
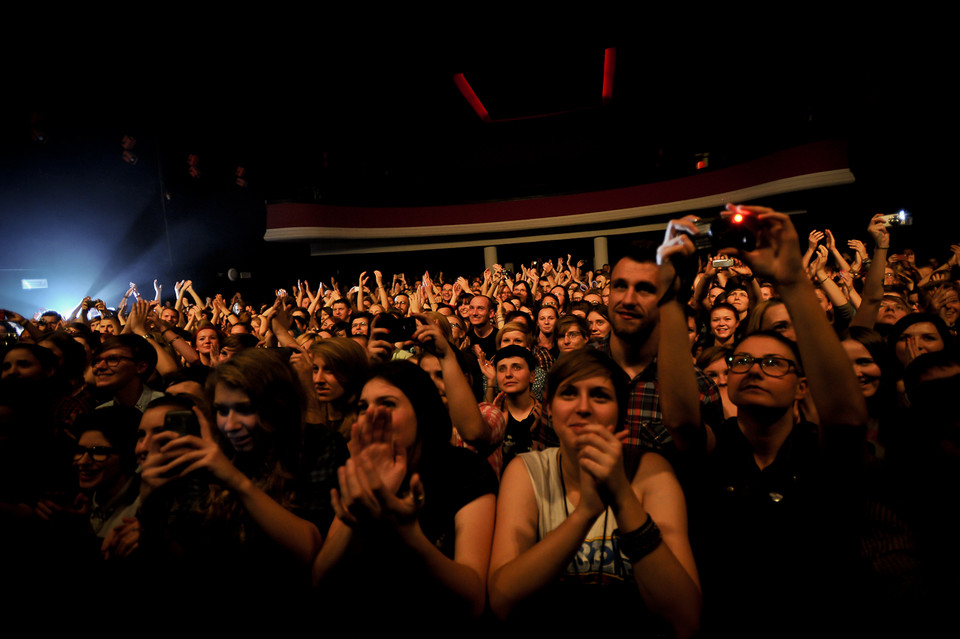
[578,529]
[414,514]
[105,464]
[252,492]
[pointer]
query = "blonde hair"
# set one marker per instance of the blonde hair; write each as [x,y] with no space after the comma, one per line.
[518,327]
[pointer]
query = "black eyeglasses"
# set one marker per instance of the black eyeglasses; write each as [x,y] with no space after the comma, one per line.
[771,364]
[111,361]
[97,453]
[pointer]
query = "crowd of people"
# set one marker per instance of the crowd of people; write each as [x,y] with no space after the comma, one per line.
[695,441]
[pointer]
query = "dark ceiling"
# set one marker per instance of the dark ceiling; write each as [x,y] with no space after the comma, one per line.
[380,121]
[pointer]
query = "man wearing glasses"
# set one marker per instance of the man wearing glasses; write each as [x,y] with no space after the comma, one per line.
[773,513]
[121,367]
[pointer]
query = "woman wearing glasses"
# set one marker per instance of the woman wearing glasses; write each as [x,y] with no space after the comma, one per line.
[106,466]
[108,497]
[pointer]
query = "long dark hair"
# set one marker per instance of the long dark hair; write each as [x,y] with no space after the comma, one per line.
[434,427]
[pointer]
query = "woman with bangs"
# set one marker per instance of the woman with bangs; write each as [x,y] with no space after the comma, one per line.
[339,368]
[240,502]
[724,321]
[579,526]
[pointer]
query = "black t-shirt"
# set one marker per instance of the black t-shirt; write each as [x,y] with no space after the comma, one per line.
[780,540]
[381,569]
[487,344]
[517,437]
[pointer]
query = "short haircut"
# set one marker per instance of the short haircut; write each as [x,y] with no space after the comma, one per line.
[48,361]
[728,306]
[118,424]
[569,321]
[789,343]
[712,354]
[584,363]
[515,350]
[490,303]
[643,251]
[139,348]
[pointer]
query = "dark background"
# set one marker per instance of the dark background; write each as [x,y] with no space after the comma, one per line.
[315,113]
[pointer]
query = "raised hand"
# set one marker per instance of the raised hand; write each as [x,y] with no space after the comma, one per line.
[777,255]
[955,258]
[741,269]
[13,316]
[878,231]
[677,245]
[819,259]
[136,321]
[815,237]
[378,348]
[486,366]
[188,453]
[858,246]
[430,333]
[831,243]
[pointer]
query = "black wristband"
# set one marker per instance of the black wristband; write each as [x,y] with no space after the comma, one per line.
[639,543]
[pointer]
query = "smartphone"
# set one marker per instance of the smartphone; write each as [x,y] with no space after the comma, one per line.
[723,263]
[183,422]
[400,329]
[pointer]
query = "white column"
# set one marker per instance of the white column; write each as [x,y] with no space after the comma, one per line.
[489,256]
[600,256]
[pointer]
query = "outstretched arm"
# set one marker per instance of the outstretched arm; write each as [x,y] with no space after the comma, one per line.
[873,284]
[832,384]
[140,315]
[462,405]
[679,394]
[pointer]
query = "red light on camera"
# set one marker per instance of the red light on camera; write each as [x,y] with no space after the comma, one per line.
[738,218]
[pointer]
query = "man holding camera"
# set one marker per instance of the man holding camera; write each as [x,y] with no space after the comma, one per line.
[656,407]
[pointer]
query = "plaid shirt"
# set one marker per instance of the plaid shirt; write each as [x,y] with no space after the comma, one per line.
[645,418]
